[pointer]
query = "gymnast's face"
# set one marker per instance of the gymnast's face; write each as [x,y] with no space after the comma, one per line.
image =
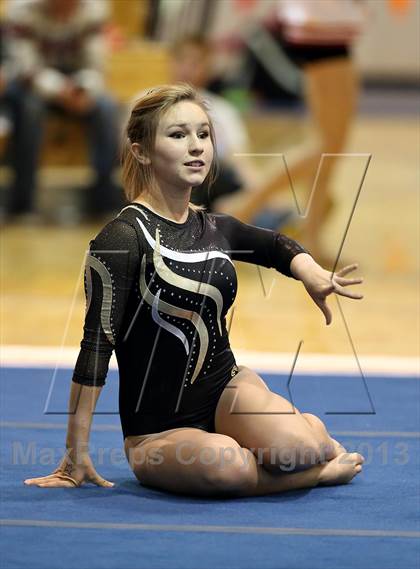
[183,147]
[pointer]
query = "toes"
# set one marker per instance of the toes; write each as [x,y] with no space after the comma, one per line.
[351,458]
[355,458]
[345,458]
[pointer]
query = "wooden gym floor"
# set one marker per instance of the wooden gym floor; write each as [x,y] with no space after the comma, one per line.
[41,271]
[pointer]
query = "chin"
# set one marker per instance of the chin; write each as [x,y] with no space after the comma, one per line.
[197,183]
[196,180]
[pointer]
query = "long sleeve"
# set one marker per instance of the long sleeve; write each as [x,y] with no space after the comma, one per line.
[112,266]
[258,246]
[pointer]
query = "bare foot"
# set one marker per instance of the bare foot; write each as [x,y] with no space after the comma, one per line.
[332,450]
[341,470]
[338,447]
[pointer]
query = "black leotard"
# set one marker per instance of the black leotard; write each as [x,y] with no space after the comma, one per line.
[158,292]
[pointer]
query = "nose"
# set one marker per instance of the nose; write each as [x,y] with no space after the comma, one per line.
[196,146]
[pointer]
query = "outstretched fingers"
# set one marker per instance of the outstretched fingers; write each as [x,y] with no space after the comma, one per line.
[59,479]
[346,282]
[347,269]
[99,481]
[325,309]
[64,481]
[35,481]
[52,481]
[58,483]
[339,282]
[338,289]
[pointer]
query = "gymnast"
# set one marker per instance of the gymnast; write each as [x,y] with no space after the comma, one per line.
[159,280]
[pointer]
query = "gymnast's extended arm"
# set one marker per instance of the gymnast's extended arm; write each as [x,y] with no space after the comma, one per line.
[274,250]
[111,266]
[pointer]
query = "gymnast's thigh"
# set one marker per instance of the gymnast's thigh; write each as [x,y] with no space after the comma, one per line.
[258,418]
[186,460]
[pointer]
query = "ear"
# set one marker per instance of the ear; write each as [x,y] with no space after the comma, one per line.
[135,149]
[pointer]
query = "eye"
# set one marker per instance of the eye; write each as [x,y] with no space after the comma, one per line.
[177,134]
[204,134]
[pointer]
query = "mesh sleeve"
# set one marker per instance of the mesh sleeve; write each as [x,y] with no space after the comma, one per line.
[258,246]
[111,267]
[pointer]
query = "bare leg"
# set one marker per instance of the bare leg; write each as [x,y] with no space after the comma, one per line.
[340,470]
[282,438]
[301,165]
[180,461]
[332,447]
[331,88]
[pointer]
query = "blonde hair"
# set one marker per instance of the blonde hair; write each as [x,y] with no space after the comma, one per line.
[141,128]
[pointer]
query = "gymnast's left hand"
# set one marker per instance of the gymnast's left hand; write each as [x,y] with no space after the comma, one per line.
[320,283]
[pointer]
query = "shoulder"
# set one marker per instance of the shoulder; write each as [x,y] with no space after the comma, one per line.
[118,234]
[222,220]
[237,231]
[223,224]
[116,247]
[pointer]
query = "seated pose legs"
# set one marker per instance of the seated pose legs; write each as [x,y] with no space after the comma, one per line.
[191,461]
[279,435]
[262,445]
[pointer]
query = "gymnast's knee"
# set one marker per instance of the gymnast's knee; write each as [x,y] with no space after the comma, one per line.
[298,455]
[232,476]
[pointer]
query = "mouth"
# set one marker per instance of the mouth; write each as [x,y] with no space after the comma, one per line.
[195,164]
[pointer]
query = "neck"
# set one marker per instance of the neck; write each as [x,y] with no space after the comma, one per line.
[173,205]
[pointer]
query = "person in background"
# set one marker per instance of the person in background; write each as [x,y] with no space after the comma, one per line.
[317,36]
[238,180]
[55,52]
[5,124]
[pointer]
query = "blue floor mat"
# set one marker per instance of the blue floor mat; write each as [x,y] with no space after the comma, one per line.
[133,526]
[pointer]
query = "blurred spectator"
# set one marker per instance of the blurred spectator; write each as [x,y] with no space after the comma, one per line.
[316,35]
[5,124]
[55,56]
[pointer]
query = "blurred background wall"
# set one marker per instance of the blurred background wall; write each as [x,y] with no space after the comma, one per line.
[42,260]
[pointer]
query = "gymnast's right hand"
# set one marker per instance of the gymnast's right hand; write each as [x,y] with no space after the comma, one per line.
[72,472]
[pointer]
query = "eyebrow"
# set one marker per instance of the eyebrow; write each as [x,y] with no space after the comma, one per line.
[186,124]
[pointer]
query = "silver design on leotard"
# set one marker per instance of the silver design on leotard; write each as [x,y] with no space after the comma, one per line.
[191,257]
[184,283]
[106,306]
[190,315]
[88,277]
[166,325]
[134,207]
